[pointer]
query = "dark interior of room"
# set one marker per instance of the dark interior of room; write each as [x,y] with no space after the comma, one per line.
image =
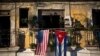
[4,31]
[50,20]
[96,18]
[23,17]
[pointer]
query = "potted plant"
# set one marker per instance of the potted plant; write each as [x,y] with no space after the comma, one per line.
[33,46]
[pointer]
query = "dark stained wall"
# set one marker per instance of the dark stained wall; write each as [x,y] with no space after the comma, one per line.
[47,0]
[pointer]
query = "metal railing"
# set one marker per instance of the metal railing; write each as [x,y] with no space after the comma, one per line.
[79,37]
[76,37]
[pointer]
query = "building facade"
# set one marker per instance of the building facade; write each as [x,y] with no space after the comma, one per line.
[19,14]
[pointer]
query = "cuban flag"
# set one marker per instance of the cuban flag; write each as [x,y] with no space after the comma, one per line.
[42,42]
[61,43]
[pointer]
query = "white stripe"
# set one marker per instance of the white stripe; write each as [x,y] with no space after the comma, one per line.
[62,47]
[57,48]
[46,40]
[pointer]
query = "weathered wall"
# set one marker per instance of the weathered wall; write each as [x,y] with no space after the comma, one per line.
[32,11]
[80,11]
[12,19]
[14,14]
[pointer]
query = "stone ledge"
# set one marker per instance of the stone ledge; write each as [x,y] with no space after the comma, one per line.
[92,48]
[9,49]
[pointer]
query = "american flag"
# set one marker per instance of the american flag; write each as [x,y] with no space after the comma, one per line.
[42,41]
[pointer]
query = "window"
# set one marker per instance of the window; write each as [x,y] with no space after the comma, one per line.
[23,17]
[4,31]
[50,19]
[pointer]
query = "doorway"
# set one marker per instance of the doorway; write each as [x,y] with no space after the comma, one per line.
[4,31]
[96,24]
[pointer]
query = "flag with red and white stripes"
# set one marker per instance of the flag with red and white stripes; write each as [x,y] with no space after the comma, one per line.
[42,42]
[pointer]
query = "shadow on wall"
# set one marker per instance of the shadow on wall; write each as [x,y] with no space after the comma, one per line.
[76,32]
[96,33]
[21,41]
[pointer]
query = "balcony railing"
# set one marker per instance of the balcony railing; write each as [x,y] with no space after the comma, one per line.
[76,37]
